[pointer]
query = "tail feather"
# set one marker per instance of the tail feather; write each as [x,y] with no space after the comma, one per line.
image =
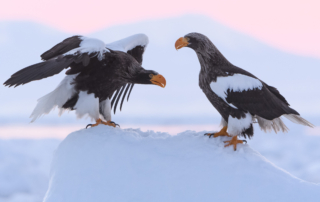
[56,98]
[268,125]
[298,119]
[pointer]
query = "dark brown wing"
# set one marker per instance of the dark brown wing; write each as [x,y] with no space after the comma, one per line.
[63,47]
[137,53]
[56,61]
[261,102]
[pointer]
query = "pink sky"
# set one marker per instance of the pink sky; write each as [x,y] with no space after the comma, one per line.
[291,25]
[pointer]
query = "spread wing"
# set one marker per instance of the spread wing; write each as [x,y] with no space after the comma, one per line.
[74,52]
[135,46]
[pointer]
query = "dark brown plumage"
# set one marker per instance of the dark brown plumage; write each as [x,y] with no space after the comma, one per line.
[240,97]
[93,69]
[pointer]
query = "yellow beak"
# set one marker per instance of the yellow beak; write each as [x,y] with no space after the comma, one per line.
[158,80]
[181,42]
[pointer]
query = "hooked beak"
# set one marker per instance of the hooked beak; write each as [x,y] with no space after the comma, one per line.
[181,42]
[158,80]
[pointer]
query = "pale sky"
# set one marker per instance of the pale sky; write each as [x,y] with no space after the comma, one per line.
[291,25]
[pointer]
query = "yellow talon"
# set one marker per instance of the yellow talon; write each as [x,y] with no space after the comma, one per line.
[222,132]
[234,141]
[99,121]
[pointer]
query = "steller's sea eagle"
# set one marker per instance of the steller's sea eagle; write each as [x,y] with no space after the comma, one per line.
[97,71]
[240,97]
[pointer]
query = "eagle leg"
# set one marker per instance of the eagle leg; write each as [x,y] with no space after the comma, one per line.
[99,121]
[222,132]
[234,141]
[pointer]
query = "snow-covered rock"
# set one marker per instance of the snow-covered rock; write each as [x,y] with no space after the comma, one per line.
[112,164]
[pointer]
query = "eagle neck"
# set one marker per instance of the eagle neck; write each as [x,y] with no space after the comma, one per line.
[211,63]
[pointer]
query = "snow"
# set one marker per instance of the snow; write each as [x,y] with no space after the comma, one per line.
[236,126]
[90,45]
[24,169]
[129,43]
[112,164]
[236,83]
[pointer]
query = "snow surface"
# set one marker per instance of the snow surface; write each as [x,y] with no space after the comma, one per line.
[112,164]
[24,169]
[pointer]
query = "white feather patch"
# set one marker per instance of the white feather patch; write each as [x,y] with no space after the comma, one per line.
[236,126]
[105,108]
[87,105]
[90,45]
[237,83]
[129,43]
[56,98]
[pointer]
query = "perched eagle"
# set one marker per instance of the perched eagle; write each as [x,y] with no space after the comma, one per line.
[97,71]
[239,96]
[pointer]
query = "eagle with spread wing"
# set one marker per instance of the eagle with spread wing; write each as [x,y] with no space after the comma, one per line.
[98,75]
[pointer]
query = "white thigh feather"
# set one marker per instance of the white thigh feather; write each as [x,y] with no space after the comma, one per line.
[57,98]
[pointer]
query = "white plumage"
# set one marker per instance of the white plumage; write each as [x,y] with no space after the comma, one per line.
[237,83]
[56,98]
[236,126]
[88,105]
[129,43]
[90,45]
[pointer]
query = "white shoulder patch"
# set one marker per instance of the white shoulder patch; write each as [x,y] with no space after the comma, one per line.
[129,43]
[90,45]
[237,83]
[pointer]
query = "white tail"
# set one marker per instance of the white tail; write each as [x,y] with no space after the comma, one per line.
[56,98]
[298,119]
[268,125]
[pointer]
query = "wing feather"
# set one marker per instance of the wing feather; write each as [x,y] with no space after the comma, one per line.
[62,47]
[260,102]
[38,71]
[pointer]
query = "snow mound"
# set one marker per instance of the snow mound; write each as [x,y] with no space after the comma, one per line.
[112,164]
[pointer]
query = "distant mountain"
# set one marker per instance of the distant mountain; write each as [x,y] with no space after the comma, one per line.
[21,44]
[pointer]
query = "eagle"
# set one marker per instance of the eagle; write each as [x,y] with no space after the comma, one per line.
[96,77]
[240,97]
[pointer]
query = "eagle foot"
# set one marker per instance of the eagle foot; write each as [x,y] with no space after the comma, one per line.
[222,132]
[110,123]
[99,121]
[233,142]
